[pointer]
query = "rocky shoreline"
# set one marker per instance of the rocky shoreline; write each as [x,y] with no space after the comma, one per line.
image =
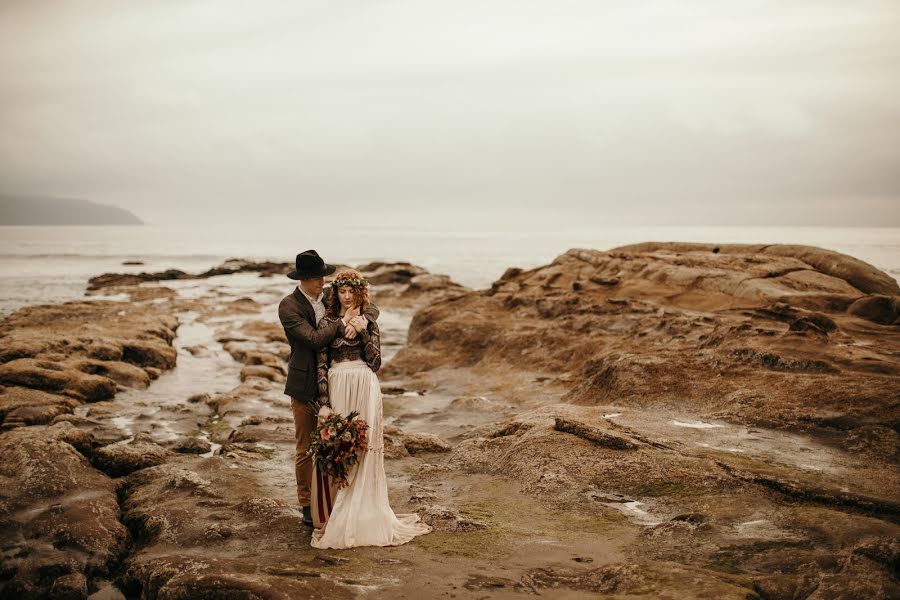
[686,419]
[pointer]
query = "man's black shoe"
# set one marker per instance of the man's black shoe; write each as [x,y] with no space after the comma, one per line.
[307,516]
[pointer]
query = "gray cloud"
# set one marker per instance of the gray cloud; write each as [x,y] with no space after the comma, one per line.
[543,112]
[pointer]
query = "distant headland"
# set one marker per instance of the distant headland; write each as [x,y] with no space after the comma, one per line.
[40,210]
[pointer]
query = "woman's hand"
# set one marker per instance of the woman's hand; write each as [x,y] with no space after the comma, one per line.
[351,312]
[359,323]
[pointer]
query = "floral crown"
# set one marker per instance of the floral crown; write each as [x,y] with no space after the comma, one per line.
[345,280]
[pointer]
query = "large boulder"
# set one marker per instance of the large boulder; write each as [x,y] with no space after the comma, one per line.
[404,285]
[54,376]
[380,273]
[399,444]
[58,516]
[128,456]
[191,517]
[878,309]
[702,323]
[859,274]
[54,357]
[24,406]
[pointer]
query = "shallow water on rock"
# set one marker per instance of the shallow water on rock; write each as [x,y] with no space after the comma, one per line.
[162,410]
[237,285]
[695,424]
[794,450]
[434,412]
[394,327]
[770,445]
[633,510]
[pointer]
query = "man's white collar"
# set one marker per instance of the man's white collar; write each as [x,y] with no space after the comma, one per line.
[310,298]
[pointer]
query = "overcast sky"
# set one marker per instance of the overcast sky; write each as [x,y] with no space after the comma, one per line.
[487,111]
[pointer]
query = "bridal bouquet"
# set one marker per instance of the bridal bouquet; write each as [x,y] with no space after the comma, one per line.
[336,444]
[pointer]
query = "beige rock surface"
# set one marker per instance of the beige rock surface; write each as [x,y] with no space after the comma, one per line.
[59,517]
[731,333]
[654,421]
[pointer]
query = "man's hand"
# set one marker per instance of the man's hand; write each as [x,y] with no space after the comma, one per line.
[350,333]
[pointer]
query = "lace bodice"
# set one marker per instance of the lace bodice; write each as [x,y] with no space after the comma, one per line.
[366,346]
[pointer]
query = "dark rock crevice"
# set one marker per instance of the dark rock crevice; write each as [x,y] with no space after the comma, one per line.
[881,508]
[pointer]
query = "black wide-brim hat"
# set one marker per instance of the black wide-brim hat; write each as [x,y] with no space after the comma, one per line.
[310,265]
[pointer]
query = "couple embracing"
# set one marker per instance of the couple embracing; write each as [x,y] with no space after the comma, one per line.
[335,351]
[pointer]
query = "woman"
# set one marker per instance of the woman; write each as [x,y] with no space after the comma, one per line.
[360,513]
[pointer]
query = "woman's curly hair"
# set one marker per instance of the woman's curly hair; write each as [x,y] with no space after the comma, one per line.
[354,280]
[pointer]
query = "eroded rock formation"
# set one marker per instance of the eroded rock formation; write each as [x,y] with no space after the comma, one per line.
[764,334]
[656,420]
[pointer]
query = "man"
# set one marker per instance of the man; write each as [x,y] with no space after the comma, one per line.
[300,313]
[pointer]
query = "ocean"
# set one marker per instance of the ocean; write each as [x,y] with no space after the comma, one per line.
[41,265]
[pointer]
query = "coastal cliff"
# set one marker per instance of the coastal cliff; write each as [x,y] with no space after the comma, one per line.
[35,210]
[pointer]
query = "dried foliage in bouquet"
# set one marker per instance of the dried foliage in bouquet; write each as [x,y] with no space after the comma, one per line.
[336,443]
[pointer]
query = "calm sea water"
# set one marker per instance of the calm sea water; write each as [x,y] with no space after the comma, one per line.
[53,264]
